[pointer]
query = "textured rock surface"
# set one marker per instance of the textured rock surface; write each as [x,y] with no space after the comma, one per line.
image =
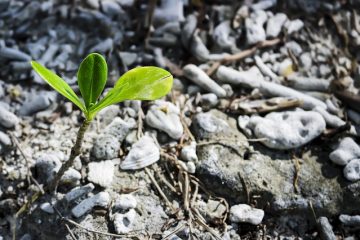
[345,152]
[244,213]
[287,130]
[106,147]
[101,173]
[267,173]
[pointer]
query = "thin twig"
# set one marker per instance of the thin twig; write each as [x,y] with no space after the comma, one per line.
[243,54]
[98,232]
[176,230]
[162,194]
[70,232]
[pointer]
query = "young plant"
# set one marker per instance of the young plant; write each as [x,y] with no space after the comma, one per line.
[141,83]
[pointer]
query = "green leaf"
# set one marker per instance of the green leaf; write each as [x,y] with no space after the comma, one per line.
[141,83]
[58,84]
[92,76]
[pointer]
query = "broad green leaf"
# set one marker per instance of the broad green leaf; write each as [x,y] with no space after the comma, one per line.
[58,84]
[92,76]
[141,83]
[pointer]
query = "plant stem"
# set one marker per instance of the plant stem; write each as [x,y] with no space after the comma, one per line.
[75,151]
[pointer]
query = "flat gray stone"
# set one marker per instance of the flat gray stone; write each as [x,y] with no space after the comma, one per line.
[101,199]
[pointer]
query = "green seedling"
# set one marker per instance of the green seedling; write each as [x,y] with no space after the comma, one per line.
[141,83]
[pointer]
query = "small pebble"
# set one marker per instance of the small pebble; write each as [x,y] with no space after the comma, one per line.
[7,118]
[274,25]
[351,221]
[243,213]
[101,173]
[345,152]
[164,116]
[79,192]
[123,223]
[352,170]
[325,229]
[125,202]
[188,152]
[101,199]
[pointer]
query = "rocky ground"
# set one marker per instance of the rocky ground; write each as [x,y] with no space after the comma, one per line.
[257,140]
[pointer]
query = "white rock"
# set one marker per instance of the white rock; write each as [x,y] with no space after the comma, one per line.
[7,118]
[78,192]
[188,152]
[101,173]
[164,116]
[285,67]
[264,68]
[243,122]
[306,60]
[254,32]
[102,199]
[200,78]
[222,35]
[142,154]
[46,207]
[209,100]
[263,4]
[244,213]
[350,220]
[293,46]
[251,78]
[188,166]
[330,119]
[294,26]
[308,84]
[124,222]
[352,170]
[125,202]
[287,130]
[277,90]
[71,177]
[345,152]
[274,25]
